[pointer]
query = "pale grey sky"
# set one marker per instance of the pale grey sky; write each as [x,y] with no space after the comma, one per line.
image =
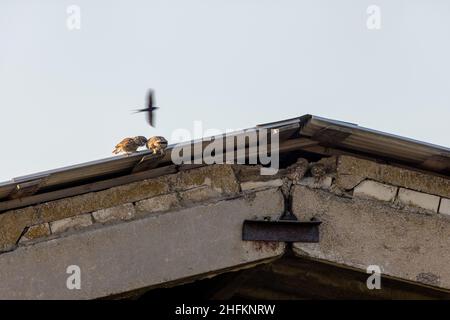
[66,95]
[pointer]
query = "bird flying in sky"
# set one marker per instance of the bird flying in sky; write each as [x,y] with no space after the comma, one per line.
[150,108]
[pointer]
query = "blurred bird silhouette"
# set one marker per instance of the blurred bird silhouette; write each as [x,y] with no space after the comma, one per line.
[150,108]
[130,145]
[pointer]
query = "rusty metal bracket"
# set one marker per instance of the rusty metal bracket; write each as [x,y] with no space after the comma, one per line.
[286,229]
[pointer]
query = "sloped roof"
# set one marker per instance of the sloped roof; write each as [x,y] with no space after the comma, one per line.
[309,133]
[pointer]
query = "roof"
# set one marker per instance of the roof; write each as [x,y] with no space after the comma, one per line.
[307,133]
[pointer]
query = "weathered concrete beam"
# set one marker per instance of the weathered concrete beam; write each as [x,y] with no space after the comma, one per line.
[351,171]
[358,233]
[218,179]
[158,248]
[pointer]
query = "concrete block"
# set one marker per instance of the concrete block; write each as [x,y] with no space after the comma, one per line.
[122,212]
[76,222]
[297,171]
[253,185]
[444,208]
[219,177]
[35,232]
[203,193]
[12,225]
[249,173]
[320,183]
[375,190]
[157,204]
[418,199]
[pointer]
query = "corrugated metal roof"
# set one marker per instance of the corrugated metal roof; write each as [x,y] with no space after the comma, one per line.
[350,136]
[308,132]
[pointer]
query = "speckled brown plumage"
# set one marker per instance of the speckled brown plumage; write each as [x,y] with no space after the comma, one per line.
[130,145]
[157,144]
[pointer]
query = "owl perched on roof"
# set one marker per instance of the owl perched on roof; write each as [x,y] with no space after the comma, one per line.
[130,145]
[157,144]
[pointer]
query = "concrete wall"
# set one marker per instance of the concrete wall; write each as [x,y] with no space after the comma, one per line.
[358,233]
[155,249]
[188,225]
[375,214]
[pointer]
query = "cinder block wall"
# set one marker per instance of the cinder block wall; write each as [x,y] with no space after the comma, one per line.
[372,213]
